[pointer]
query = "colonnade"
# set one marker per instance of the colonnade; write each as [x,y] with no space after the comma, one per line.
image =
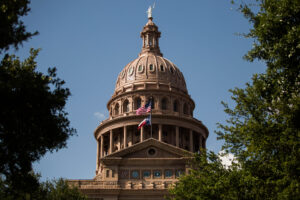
[120,138]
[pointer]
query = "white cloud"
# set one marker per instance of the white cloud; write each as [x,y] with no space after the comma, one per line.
[227,159]
[99,115]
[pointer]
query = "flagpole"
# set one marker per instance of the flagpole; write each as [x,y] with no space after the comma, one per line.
[151,116]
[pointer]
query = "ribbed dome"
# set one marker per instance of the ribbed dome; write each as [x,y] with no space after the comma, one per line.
[150,67]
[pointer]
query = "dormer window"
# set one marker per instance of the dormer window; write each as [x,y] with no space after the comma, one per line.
[140,68]
[130,71]
[162,68]
[151,68]
[171,69]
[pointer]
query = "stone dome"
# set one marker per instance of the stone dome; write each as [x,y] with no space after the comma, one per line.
[151,68]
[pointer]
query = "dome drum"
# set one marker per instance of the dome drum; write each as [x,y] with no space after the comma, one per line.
[163,103]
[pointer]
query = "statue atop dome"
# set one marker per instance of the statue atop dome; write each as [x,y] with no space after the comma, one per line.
[149,11]
[150,35]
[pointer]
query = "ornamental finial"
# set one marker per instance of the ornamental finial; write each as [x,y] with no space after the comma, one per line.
[149,11]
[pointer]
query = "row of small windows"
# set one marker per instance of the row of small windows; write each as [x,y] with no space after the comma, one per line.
[151,68]
[138,174]
[163,106]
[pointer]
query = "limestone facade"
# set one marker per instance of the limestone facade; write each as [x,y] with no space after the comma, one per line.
[142,164]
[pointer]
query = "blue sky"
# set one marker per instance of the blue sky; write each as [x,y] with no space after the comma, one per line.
[91,41]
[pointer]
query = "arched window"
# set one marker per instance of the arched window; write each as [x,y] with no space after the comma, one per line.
[185,109]
[151,67]
[164,102]
[125,106]
[137,103]
[117,109]
[175,106]
[152,102]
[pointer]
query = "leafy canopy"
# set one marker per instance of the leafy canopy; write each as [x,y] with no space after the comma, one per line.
[49,190]
[12,29]
[32,117]
[263,128]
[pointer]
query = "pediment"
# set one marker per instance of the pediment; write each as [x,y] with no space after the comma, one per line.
[150,148]
[152,152]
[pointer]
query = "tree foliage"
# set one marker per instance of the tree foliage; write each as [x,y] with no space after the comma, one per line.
[59,189]
[263,129]
[49,190]
[32,116]
[32,119]
[12,29]
[207,180]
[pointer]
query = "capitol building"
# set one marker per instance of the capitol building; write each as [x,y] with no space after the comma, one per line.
[143,163]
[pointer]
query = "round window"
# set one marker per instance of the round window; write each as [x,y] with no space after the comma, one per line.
[151,152]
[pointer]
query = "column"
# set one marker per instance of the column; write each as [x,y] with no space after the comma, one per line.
[147,40]
[97,161]
[159,132]
[110,141]
[142,134]
[177,136]
[119,141]
[125,137]
[153,41]
[191,141]
[101,146]
[200,141]
[131,138]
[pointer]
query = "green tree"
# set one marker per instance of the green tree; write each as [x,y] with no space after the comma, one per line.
[208,179]
[59,189]
[12,30]
[32,120]
[48,190]
[32,116]
[263,129]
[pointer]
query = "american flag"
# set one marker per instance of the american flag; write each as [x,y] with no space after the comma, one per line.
[144,109]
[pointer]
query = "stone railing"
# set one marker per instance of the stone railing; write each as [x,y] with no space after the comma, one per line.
[93,184]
